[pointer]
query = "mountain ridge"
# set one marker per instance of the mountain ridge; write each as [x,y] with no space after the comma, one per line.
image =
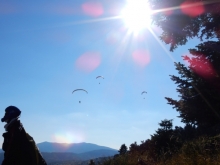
[70,147]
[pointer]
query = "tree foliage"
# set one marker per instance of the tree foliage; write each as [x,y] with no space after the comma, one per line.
[181,20]
[199,86]
[123,149]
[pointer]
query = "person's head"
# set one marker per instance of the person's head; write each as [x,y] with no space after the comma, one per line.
[11,112]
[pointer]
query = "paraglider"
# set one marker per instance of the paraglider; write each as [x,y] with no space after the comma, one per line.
[79,90]
[99,77]
[143,93]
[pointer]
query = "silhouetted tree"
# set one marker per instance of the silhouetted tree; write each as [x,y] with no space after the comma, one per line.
[199,87]
[133,147]
[161,140]
[189,132]
[123,149]
[145,146]
[166,125]
[181,20]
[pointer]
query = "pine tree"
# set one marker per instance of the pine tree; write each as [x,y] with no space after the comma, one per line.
[161,139]
[199,86]
[133,147]
[123,149]
[181,20]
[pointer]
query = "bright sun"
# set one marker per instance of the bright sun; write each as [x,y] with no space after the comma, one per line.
[136,15]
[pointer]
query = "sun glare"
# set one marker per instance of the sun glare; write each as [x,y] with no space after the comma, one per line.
[136,15]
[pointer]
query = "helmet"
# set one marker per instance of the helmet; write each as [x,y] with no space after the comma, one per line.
[10,113]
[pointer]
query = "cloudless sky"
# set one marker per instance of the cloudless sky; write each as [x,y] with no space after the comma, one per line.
[50,48]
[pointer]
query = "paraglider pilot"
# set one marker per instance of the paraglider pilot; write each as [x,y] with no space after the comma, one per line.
[18,146]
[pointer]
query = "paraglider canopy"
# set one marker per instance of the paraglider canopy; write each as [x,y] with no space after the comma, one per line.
[80,90]
[99,77]
[143,93]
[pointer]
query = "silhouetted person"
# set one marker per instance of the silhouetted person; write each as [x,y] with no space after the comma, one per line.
[19,146]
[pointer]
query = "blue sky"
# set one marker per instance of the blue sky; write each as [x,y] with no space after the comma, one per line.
[49,48]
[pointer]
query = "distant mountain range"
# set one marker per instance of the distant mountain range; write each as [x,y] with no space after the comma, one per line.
[70,147]
[58,152]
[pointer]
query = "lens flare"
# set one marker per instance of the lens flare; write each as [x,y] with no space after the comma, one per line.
[192,9]
[88,61]
[201,66]
[68,137]
[94,9]
[141,57]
